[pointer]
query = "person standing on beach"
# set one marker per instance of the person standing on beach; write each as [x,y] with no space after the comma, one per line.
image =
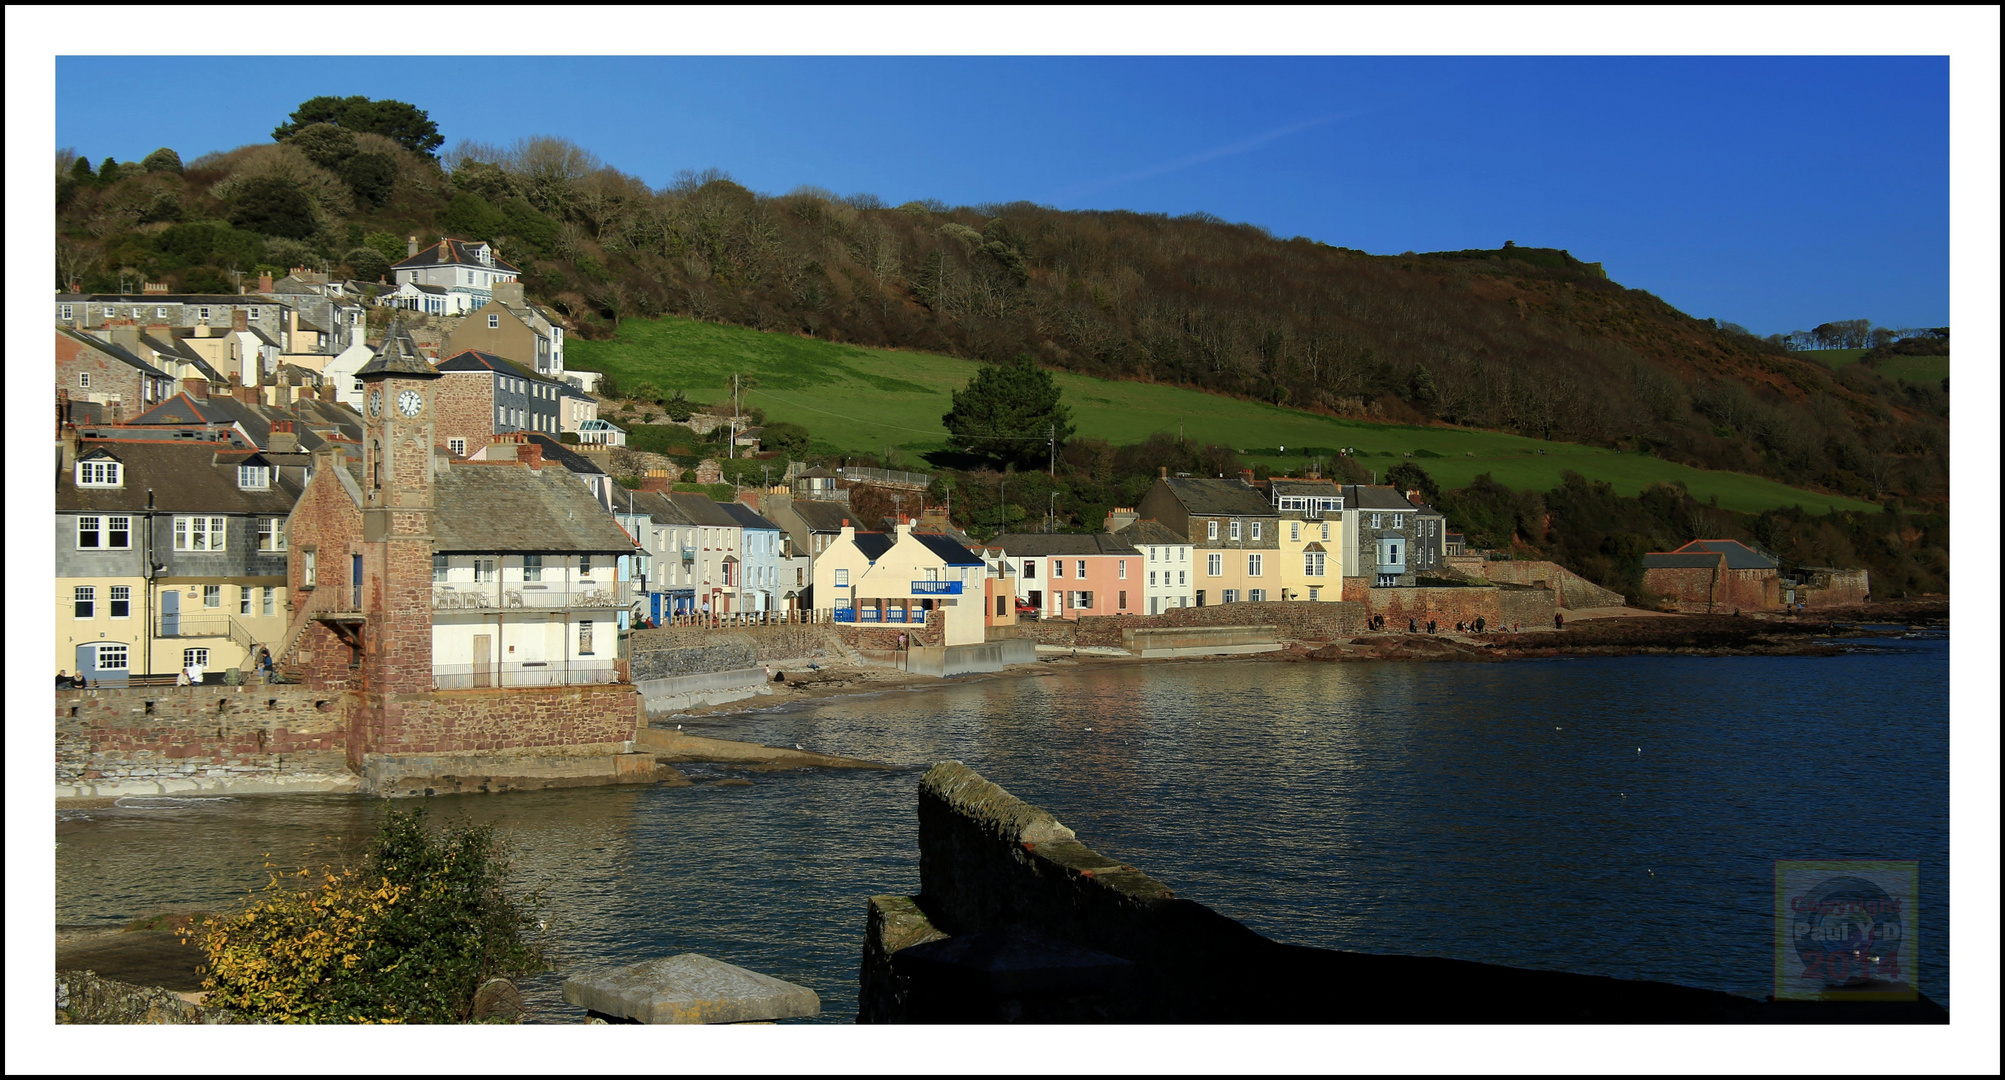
[1410,628]
[1430,626]
[1558,621]
[1479,624]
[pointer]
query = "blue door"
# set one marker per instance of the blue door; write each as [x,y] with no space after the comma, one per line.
[170,612]
[88,668]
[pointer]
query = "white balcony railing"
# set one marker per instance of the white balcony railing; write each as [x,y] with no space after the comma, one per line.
[532,595]
[578,671]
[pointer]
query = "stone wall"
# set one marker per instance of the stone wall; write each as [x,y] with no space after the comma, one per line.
[1448,605]
[659,663]
[169,738]
[460,721]
[1834,588]
[787,642]
[880,637]
[1573,590]
[1299,620]
[1017,921]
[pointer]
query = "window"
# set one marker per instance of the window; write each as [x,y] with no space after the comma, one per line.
[532,568]
[494,322]
[253,477]
[1214,564]
[198,533]
[121,601]
[1082,568]
[440,567]
[1235,528]
[112,657]
[99,473]
[90,531]
[271,534]
[1375,521]
[212,596]
[1253,566]
[1180,577]
[1257,595]
[63,311]
[584,637]
[457,446]
[1256,530]
[83,380]
[483,571]
[160,313]
[1399,521]
[1326,530]
[205,313]
[86,601]
[1124,600]
[1231,596]
[270,606]
[1315,593]
[244,599]
[585,565]
[1294,531]
[1312,564]
[842,579]
[1152,578]
[1082,601]
[1058,568]
[194,658]
[306,568]
[1211,530]
[1029,569]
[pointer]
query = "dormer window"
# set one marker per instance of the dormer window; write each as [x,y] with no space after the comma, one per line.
[100,474]
[253,477]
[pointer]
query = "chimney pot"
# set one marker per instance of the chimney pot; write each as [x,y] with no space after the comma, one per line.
[411,247]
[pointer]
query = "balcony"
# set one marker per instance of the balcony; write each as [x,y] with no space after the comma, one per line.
[204,626]
[533,596]
[936,588]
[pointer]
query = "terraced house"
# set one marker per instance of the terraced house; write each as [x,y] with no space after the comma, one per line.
[168,553]
[451,277]
[1234,532]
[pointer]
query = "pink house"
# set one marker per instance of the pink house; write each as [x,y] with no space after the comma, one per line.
[1065,575]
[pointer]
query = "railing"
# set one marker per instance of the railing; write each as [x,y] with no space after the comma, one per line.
[877,615]
[532,595]
[744,618]
[206,626]
[937,588]
[886,476]
[579,671]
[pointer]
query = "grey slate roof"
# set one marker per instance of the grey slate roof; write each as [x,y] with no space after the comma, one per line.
[1739,555]
[953,553]
[555,450]
[513,508]
[398,356]
[747,517]
[1666,560]
[1047,544]
[1150,531]
[822,516]
[185,477]
[116,352]
[703,510]
[1325,489]
[657,507]
[1224,497]
[1376,497]
[874,545]
[450,252]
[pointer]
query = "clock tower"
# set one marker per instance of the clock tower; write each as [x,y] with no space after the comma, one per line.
[397,395]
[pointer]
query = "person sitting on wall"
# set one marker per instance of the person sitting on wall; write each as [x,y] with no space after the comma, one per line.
[64,682]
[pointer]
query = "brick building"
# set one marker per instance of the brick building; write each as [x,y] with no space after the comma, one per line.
[93,369]
[483,395]
[1714,576]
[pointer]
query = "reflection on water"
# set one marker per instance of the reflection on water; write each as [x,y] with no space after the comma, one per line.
[1616,816]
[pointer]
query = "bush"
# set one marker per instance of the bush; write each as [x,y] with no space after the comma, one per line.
[162,160]
[273,206]
[408,938]
[367,264]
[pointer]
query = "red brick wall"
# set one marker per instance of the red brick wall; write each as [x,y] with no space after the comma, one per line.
[327,520]
[1695,589]
[463,408]
[463,720]
[115,378]
[1688,588]
[153,733]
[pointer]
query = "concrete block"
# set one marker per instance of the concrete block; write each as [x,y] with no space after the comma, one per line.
[689,989]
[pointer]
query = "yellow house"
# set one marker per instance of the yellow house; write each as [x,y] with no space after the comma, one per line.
[168,553]
[1308,560]
[895,579]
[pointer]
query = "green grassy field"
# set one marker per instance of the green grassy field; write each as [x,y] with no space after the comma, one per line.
[1928,370]
[865,400]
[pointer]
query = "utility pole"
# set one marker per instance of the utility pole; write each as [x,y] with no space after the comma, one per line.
[1051,513]
[1052,435]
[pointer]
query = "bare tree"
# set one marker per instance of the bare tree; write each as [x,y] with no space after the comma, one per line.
[74,262]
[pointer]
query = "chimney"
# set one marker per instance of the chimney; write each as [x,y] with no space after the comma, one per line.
[283,439]
[329,394]
[410,247]
[509,293]
[329,455]
[1121,517]
[904,527]
[655,480]
[501,449]
[153,288]
[196,388]
[1246,477]
[69,444]
[240,319]
[246,394]
[1162,472]
[264,283]
[531,453]
[124,332]
[1413,496]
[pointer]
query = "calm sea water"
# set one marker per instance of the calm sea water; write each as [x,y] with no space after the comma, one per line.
[1611,816]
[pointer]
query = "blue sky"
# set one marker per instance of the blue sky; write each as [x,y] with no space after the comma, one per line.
[1776,192]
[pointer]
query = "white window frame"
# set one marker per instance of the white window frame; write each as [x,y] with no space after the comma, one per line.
[205,314]
[1211,530]
[159,312]
[1375,519]
[1123,574]
[585,637]
[63,311]
[494,322]
[842,578]
[100,474]
[214,531]
[1256,596]
[1256,531]
[215,591]
[83,599]
[244,600]
[307,570]
[1312,564]
[1294,531]
[1214,564]
[83,380]
[271,534]
[114,657]
[457,446]
[1235,529]
[1082,567]
[195,656]
[1326,530]
[269,604]
[1399,521]
[253,478]
[1253,565]
[120,595]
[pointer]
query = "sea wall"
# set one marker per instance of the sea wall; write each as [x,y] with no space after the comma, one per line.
[1573,591]
[942,661]
[1017,920]
[762,643]
[1497,606]
[1298,620]
[168,739]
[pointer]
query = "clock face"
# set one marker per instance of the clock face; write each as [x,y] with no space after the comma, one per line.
[409,402]
[375,403]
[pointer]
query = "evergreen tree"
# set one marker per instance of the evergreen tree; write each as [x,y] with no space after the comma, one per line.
[1010,413]
[406,124]
[162,160]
